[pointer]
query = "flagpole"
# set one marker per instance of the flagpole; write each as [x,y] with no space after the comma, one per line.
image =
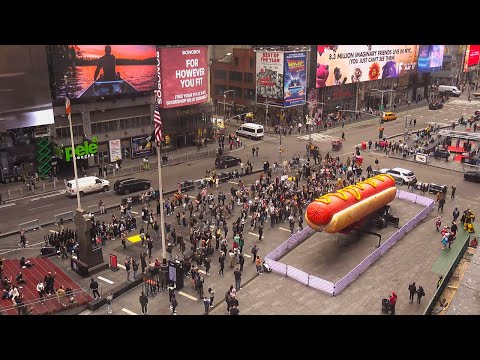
[162,215]
[69,114]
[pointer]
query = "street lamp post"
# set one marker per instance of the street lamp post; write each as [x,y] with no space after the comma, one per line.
[225,103]
[382,92]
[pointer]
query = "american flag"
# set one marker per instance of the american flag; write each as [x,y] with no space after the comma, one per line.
[158,124]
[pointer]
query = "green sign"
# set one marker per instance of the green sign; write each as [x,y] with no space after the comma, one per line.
[380,108]
[82,151]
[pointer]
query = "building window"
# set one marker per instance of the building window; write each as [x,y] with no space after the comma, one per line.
[219,90]
[236,61]
[252,63]
[220,74]
[235,76]
[249,94]
[248,77]
[237,92]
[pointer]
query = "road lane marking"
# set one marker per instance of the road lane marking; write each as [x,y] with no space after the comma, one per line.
[202,272]
[7,205]
[121,266]
[20,248]
[53,231]
[281,228]
[188,296]
[249,256]
[106,280]
[134,212]
[233,182]
[254,234]
[39,207]
[128,312]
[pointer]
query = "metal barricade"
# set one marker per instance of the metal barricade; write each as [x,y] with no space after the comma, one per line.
[30,225]
[69,215]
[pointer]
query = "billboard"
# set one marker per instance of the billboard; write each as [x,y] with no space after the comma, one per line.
[102,70]
[295,78]
[141,146]
[183,74]
[24,87]
[472,56]
[430,57]
[115,149]
[269,75]
[346,64]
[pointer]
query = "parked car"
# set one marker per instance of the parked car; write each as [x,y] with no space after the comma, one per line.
[130,185]
[388,116]
[436,188]
[441,154]
[472,176]
[223,177]
[187,185]
[435,106]
[225,161]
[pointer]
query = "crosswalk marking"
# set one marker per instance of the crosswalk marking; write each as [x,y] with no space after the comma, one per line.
[248,256]
[128,312]
[461,102]
[121,266]
[188,296]
[318,137]
[233,182]
[106,280]
[7,205]
[281,228]
[251,233]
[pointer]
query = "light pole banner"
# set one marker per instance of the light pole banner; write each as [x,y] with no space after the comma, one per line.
[269,75]
[295,78]
[115,148]
[347,64]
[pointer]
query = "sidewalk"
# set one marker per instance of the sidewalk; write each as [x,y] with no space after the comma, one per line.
[14,191]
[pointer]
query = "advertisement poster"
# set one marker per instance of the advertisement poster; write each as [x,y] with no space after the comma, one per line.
[141,146]
[115,150]
[347,64]
[472,56]
[295,78]
[184,76]
[430,57]
[103,70]
[269,77]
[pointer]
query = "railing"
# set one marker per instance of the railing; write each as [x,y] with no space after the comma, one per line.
[336,288]
[69,215]
[30,225]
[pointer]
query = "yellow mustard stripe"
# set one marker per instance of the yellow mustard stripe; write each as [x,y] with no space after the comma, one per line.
[352,189]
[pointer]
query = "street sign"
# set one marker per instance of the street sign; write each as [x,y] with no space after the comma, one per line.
[380,108]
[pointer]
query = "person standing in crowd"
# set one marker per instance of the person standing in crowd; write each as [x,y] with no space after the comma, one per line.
[174,304]
[241,261]
[94,288]
[412,289]
[254,252]
[420,294]
[23,239]
[441,203]
[143,261]
[143,299]
[211,292]
[456,214]
[127,268]
[41,290]
[238,278]
[454,188]
[206,304]
[221,260]
[109,303]
[393,302]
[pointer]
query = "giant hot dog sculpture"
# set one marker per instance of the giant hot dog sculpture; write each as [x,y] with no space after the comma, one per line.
[335,211]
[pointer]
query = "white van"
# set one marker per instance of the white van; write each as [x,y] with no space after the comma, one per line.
[448,90]
[86,185]
[251,131]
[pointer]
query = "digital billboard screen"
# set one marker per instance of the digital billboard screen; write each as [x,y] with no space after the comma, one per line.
[472,56]
[183,73]
[346,64]
[102,70]
[24,87]
[430,57]
[295,78]
[269,77]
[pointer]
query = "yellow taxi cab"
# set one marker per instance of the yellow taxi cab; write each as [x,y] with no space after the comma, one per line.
[388,116]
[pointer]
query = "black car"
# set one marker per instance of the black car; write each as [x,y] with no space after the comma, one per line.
[224,177]
[130,185]
[435,106]
[472,176]
[225,161]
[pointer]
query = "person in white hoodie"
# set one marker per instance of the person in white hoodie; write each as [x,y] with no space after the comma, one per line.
[41,290]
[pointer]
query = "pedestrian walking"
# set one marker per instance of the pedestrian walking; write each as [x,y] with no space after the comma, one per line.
[238,278]
[134,267]
[211,292]
[258,265]
[256,151]
[412,289]
[207,262]
[241,261]
[143,261]
[143,299]
[454,188]
[206,304]
[127,269]
[174,305]
[441,203]
[94,288]
[221,260]
[420,294]
[456,214]
[109,303]
[254,252]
